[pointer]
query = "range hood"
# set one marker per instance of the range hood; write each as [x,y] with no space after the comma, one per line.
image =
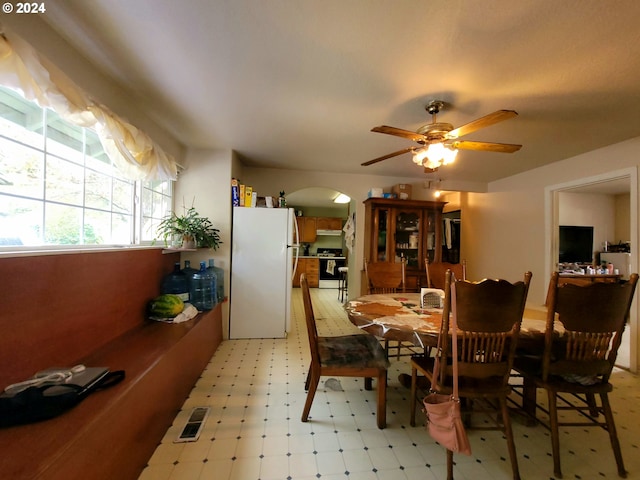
[329,233]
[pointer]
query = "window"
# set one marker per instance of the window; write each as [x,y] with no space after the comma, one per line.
[58,186]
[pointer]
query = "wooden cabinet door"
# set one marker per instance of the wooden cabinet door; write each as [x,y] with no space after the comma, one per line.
[313,272]
[381,236]
[308,229]
[328,223]
[432,235]
[310,266]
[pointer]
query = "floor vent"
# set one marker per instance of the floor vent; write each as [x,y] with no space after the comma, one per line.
[193,427]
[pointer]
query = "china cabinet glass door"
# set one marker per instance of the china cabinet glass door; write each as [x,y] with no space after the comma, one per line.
[430,235]
[407,237]
[382,222]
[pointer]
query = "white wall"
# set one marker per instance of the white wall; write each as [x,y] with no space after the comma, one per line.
[591,210]
[505,228]
[623,227]
[500,232]
[206,184]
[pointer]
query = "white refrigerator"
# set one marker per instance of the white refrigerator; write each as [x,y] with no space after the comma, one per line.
[621,261]
[263,259]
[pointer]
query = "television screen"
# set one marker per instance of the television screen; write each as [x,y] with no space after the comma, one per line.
[576,244]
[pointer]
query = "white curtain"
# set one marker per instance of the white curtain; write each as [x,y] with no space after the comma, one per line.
[132,151]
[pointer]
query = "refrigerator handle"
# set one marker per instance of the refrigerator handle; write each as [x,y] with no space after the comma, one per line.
[295,225]
[296,245]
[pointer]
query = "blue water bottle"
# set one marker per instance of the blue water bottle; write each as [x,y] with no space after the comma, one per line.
[203,289]
[219,273]
[176,283]
[188,273]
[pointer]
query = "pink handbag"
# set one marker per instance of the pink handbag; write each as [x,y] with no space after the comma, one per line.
[444,421]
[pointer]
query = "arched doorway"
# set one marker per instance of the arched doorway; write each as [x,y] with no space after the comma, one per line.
[322,213]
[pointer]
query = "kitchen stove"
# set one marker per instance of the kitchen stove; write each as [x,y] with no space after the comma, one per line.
[330,252]
[330,260]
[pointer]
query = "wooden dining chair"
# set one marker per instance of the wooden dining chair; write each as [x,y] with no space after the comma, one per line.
[488,315]
[385,277]
[357,355]
[388,277]
[436,271]
[576,367]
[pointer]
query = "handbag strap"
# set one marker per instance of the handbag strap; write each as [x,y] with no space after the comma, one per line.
[454,341]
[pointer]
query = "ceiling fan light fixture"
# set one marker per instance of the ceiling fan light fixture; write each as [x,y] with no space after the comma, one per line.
[433,136]
[434,155]
[419,154]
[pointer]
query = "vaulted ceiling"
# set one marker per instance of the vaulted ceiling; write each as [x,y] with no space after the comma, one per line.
[300,83]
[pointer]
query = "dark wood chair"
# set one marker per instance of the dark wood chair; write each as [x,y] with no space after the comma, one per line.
[357,355]
[436,272]
[385,277]
[579,362]
[389,277]
[488,315]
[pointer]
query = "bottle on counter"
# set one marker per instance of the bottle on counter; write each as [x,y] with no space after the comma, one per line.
[219,273]
[188,273]
[176,283]
[203,289]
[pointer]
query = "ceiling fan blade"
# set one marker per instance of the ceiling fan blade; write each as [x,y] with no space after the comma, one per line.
[399,132]
[482,122]
[486,146]
[384,157]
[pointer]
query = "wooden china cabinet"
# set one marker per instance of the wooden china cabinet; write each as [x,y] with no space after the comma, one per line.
[403,228]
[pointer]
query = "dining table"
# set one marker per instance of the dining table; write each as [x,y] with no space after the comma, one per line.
[399,316]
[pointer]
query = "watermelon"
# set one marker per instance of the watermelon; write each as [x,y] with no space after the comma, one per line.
[166,306]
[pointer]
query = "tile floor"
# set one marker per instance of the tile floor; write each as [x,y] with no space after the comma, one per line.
[255,389]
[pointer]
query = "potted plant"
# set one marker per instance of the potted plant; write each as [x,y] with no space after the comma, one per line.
[195,231]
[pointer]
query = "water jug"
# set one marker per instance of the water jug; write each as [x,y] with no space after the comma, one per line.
[176,283]
[219,273]
[203,289]
[188,273]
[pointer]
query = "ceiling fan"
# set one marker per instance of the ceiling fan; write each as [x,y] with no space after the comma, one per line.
[439,141]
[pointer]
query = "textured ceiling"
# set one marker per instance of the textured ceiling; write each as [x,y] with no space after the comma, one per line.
[300,83]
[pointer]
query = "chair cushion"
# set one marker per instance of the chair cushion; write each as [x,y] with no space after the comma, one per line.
[360,350]
[531,367]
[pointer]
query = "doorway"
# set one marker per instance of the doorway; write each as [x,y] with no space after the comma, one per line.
[324,253]
[613,183]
